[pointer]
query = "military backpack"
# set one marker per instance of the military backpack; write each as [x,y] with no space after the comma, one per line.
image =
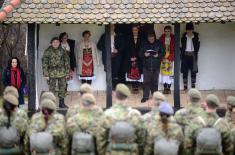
[208,140]
[41,143]
[9,141]
[164,146]
[83,143]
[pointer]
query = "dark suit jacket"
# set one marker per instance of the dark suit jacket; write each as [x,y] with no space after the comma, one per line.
[72,57]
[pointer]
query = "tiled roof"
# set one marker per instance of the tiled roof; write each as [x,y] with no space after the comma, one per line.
[123,11]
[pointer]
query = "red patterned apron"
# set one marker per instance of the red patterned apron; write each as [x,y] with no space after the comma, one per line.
[87,70]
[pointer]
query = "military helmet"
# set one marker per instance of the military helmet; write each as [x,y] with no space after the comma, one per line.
[213,99]
[159,96]
[85,88]
[194,94]
[88,99]
[11,90]
[11,99]
[49,104]
[231,101]
[123,89]
[48,95]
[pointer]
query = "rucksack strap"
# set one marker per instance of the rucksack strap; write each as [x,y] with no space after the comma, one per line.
[217,121]
[206,124]
[202,121]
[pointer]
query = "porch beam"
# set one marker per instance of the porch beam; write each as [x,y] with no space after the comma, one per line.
[108,66]
[177,67]
[31,67]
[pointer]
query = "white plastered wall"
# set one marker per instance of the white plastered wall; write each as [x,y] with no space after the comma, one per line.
[216,55]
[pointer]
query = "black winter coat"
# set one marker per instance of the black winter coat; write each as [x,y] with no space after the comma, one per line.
[133,50]
[119,45]
[151,63]
[72,57]
[196,43]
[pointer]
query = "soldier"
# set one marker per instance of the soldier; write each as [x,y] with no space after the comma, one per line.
[48,95]
[184,116]
[83,127]
[11,90]
[55,65]
[163,134]
[13,124]
[46,132]
[84,88]
[230,107]
[123,125]
[208,134]
[158,97]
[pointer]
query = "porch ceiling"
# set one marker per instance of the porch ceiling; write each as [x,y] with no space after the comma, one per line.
[122,11]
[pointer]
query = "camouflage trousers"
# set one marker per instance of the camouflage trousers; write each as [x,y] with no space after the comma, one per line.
[61,82]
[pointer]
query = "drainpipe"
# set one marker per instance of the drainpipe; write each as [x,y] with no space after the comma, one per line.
[8,8]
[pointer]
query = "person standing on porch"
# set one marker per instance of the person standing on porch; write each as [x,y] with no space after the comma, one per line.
[117,47]
[88,58]
[152,53]
[168,40]
[189,55]
[14,76]
[134,62]
[55,66]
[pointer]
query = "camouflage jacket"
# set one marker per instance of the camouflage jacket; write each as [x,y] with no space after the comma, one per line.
[88,121]
[153,115]
[120,112]
[184,116]
[210,118]
[55,63]
[19,120]
[154,130]
[75,109]
[228,117]
[55,126]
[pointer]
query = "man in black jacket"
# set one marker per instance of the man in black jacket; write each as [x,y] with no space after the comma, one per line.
[189,55]
[117,47]
[152,53]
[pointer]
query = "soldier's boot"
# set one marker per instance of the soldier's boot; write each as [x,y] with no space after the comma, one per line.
[61,103]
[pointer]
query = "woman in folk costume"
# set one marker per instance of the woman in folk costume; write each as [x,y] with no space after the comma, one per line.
[14,76]
[88,58]
[134,70]
[168,41]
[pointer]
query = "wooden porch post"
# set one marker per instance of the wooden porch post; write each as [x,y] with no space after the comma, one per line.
[31,67]
[177,67]
[108,66]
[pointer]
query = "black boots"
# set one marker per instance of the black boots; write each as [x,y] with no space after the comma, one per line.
[61,103]
[167,88]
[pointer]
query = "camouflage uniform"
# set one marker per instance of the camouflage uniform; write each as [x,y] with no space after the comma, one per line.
[55,65]
[55,126]
[158,97]
[155,129]
[184,116]
[211,119]
[120,112]
[222,127]
[18,119]
[84,88]
[86,121]
[231,104]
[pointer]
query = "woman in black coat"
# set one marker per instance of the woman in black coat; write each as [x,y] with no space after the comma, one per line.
[14,75]
[134,62]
